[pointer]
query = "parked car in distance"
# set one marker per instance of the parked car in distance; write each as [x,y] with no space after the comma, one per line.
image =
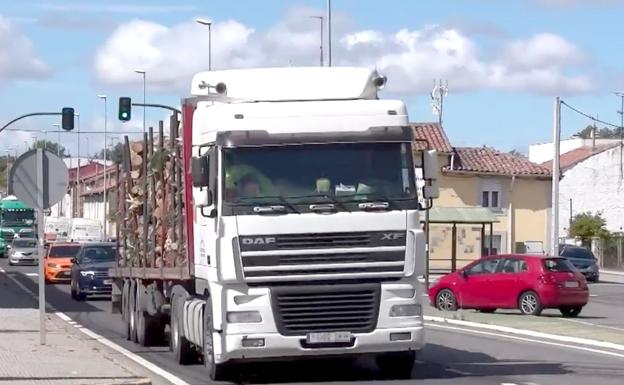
[524,282]
[89,272]
[58,261]
[583,259]
[24,251]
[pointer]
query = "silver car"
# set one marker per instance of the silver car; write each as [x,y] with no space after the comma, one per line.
[24,251]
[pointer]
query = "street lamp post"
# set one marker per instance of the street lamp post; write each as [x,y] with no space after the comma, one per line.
[142,72]
[8,154]
[77,210]
[58,144]
[322,27]
[209,24]
[104,203]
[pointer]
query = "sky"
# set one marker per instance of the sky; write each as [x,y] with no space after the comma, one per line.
[504,60]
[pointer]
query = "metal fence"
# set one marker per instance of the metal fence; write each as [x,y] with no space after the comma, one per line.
[612,253]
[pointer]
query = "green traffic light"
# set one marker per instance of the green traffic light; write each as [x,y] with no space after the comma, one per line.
[124,114]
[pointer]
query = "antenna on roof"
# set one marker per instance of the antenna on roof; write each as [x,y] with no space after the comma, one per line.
[439,92]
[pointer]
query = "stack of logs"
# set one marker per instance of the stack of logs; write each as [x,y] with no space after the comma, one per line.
[150,204]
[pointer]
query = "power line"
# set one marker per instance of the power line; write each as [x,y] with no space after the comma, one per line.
[595,119]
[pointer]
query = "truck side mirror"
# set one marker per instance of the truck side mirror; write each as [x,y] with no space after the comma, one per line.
[430,173]
[200,171]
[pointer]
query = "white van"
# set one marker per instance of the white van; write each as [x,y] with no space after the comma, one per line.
[57,229]
[86,230]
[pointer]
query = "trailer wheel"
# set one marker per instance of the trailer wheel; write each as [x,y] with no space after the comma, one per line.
[132,313]
[178,344]
[125,306]
[217,372]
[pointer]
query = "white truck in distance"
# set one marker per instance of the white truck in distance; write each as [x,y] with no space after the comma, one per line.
[301,220]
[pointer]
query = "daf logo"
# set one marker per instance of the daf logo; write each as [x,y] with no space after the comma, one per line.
[391,236]
[258,241]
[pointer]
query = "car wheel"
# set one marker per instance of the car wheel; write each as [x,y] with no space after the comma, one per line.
[570,311]
[529,303]
[488,310]
[396,365]
[445,300]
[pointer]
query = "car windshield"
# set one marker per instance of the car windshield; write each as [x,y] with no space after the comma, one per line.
[357,171]
[63,251]
[576,252]
[558,265]
[98,254]
[24,243]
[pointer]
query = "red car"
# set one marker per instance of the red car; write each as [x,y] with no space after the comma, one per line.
[527,283]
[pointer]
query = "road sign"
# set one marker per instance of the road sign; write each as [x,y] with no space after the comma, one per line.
[23,179]
[39,179]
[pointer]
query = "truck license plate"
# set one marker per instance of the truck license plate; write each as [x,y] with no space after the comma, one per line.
[571,284]
[328,337]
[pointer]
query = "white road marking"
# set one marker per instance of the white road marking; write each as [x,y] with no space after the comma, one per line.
[139,360]
[593,295]
[524,339]
[32,274]
[528,333]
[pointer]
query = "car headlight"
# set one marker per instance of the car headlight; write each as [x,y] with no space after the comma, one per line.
[88,273]
[53,265]
[406,310]
[241,317]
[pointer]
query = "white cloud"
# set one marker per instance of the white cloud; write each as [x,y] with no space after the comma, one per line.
[411,58]
[17,57]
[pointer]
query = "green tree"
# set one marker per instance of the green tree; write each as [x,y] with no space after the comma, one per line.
[115,154]
[587,226]
[601,133]
[51,146]
[515,152]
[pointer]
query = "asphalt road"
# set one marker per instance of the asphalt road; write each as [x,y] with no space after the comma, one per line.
[451,357]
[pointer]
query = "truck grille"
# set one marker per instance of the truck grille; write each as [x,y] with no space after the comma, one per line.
[326,309]
[288,257]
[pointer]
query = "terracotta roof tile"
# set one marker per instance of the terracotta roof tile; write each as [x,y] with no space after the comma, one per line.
[488,160]
[434,134]
[572,158]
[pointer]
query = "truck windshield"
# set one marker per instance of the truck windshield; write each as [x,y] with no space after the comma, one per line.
[17,217]
[305,173]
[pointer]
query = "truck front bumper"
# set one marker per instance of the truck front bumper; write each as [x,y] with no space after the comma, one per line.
[263,340]
[276,346]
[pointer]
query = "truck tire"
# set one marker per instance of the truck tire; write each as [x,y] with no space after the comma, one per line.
[397,364]
[132,313]
[125,306]
[217,372]
[178,344]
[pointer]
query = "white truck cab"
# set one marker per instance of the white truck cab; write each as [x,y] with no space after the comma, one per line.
[306,237]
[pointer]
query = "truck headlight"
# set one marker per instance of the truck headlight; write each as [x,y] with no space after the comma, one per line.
[88,273]
[242,317]
[406,310]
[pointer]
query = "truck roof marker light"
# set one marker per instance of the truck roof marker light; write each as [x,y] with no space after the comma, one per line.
[392,112]
[221,88]
[239,116]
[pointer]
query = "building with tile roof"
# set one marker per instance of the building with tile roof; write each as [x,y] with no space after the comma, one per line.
[514,190]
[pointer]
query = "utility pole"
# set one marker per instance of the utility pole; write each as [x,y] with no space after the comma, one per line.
[621,113]
[554,236]
[329,36]
[322,27]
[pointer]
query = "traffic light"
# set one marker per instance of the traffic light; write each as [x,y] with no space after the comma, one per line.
[68,118]
[125,109]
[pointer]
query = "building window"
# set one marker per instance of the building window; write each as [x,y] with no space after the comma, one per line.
[490,199]
[496,245]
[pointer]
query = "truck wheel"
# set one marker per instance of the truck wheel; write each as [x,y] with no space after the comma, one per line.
[132,314]
[217,372]
[178,344]
[397,365]
[125,306]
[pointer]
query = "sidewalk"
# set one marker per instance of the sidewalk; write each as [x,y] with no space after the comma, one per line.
[68,358]
[611,276]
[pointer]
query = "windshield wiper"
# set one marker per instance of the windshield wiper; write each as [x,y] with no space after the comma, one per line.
[332,201]
[258,208]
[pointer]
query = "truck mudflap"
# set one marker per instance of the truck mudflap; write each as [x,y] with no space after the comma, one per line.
[116,296]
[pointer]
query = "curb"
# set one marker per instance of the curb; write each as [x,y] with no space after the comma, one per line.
[527,333]
[142,381]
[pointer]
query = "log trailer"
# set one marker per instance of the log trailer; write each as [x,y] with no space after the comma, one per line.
[279,219]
